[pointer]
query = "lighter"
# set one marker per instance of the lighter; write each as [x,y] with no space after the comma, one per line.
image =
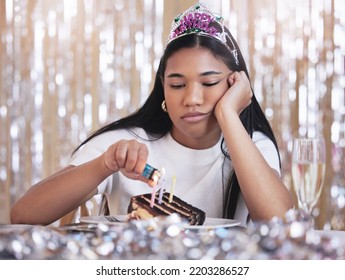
[151,173]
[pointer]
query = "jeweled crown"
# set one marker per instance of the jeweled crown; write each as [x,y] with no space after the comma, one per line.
[200,20]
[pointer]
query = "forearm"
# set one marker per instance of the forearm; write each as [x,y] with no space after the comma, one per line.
[263,191]
[57,195]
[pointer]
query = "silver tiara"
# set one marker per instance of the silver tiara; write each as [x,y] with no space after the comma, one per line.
[200,20]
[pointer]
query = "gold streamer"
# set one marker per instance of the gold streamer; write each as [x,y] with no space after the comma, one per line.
[68,67]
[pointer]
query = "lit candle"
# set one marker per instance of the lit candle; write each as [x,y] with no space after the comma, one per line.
[172,189]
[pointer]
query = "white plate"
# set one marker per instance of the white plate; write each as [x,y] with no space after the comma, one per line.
[122,219]
[210,223]
[14,228]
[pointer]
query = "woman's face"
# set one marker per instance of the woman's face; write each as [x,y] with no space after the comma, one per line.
[194,81]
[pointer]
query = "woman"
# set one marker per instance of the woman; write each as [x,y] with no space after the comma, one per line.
[202,123]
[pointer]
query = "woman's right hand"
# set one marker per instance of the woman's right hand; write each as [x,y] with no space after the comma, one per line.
[237,97]
[128,157]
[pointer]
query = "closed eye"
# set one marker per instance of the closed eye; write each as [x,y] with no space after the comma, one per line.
[210,84]
[177,86]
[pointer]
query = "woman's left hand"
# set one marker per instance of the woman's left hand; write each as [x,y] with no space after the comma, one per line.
[237,97]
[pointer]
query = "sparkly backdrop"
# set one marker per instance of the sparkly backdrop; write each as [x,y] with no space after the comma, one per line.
[68,67]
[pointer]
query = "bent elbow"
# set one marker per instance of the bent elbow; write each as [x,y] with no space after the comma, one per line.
[19,215]
[14,218]
[16,215]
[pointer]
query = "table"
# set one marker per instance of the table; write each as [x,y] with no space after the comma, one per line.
[167,239]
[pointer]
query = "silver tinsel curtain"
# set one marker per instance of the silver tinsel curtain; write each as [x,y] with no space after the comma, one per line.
[69,67]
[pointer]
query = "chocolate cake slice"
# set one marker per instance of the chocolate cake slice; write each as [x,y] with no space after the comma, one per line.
[140,208]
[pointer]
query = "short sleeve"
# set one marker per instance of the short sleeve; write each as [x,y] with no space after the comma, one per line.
[268,150]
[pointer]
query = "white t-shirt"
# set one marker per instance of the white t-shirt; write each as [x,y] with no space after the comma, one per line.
[198,173]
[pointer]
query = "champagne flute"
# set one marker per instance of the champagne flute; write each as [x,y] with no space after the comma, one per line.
[308,171]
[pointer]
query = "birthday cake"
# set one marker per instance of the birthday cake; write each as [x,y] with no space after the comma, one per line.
[140,208]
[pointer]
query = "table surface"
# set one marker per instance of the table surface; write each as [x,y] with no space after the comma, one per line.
[165,238]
